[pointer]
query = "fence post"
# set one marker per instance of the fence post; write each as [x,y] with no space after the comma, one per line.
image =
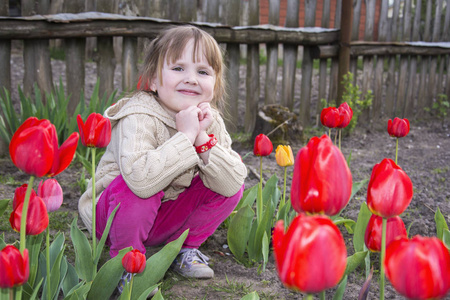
[36,54]
[270,87]
[106,63]
[307,68]
[5,55]
[325,23]
[75,60]
[232,59]
[290,57]
[344,49]
[252,82]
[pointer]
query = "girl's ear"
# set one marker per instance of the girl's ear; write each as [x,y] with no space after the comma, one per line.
[153,85]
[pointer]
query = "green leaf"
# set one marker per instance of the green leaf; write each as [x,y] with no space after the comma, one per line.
[157,296]
[248,198]
[348,223]
[265,250]
[102,241]
[441,224]
[84,264]
[36,290]
[270,191]
[356,186]
[339,294]
[3,205]
[360,227]
[263,227]
[239,231]
[354,261]
[446,238]
[56,247]
[108,277]
[252,296]
[156,266]
[33,244]
[70,280]
[54,278]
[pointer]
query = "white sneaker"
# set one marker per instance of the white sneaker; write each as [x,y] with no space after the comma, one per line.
[192,263]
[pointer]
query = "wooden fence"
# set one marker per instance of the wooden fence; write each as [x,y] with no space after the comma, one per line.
[404,58]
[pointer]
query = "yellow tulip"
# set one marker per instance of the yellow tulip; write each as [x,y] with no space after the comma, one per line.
[284,156]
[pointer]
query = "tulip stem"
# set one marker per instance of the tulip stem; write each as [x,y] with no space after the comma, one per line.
[47,253]
[340,129]
[131,286]
[259,204]
[396,150]
[283,200]
[383,253]
[309,297]
[11,294]
[322,295]
[23,219]
[94,238]
[329,132]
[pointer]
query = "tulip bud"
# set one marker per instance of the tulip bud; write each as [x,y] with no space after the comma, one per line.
[322,182]
[395,228]
[330,117]
[398,128]
[390,190]
[284,156]
[346,114]
[301,251]
[51,193]
[134,262]
[263,146]
[418,268]
[96,132]
[14,267]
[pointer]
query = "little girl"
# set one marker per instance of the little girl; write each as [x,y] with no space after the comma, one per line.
[169,164]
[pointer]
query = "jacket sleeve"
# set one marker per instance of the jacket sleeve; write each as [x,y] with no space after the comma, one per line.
[146,167]
[225,172]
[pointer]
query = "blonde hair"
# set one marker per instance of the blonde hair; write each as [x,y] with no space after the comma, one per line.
[170,44]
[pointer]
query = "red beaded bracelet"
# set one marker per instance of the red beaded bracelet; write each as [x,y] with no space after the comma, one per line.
[208,145]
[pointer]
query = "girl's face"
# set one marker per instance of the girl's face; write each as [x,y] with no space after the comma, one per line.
[185,82]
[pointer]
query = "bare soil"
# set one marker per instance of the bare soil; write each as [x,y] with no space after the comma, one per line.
[424,154]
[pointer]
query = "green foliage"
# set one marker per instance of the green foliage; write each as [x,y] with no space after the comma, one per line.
[353,96]
[440,107]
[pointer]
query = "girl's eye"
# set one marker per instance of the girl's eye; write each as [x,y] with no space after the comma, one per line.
[202,72]
[177,69]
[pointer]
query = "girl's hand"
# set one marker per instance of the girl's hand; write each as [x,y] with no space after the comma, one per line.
[187,121]
[205,118]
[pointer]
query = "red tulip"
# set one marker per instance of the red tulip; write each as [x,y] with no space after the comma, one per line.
[263,146]
[330,117]
[346,114]
[37,216]
[322,182]
[398,128]
[390,190]
[395,228]
[134,262]
[34,148]
[14,268]
[51,193]
[311,256]
[96,132]
[418,268]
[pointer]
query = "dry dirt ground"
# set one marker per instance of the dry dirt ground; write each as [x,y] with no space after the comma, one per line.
[424,154]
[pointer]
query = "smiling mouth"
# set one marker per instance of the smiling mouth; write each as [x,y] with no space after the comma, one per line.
[188,92]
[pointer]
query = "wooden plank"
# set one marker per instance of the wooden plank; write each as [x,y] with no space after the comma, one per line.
[129,63]
[423,84]
[411,93]
[75,49]
[270,87]
[391,83]
[440,77]
[118,25]
[290,57]
[437,22]
[356,19]
[393,36]
[446,29]
[427,34]
[325,22]
[188,10]
[332,95]
[233,63]
[402,88]
[252,81]
[307,69]
[5,55]
[344,50]
[414,78]
[447,84]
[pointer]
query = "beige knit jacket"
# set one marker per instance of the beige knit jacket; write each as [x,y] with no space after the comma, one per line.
[153,156]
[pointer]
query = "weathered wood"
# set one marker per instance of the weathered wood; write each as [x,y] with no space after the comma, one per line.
[437,22]
[406,33]
[106,62]
[377,48]
[344,51]
[332,95]
[447,84]
[446,29]
[440,76]
[75,49]
[411,93]
[129,63]
[232,62]
[252,81]
[270,87]
[5,54]
[289,57]
[414,79]
[323,63]
[188,10]
[307,69]
[393,33]
[416,22]
[432,81]
[427,34]
[423,84]
[356,19]
[212,13]
[400,105]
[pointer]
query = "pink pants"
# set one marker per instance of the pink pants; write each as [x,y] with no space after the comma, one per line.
[148,222]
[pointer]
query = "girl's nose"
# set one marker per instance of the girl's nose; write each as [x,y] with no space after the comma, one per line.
[190,78]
